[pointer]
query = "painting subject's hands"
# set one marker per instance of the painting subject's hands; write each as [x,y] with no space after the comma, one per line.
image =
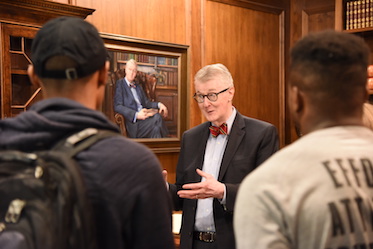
[146,113]
[201,190]
[143,114]
[163,110]
[164,174]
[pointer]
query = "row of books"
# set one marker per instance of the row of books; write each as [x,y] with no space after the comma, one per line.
[143,58]
[167,61]
[359,14]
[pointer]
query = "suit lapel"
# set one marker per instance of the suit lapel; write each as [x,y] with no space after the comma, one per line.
[129,93]
[235,137]
[202,141]
[126,87]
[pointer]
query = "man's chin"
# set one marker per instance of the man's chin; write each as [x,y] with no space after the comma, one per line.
[210,118]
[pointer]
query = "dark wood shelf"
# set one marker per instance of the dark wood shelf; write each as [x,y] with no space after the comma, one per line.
[19,71]
[360,31]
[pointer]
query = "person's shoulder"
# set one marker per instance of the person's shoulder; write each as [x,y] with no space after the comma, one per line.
[123,149]
[120,80]
[255,124]
[368,106]
[197,129]
[254,121]
[368,115]
[118,165]
[279,165]
[122,141]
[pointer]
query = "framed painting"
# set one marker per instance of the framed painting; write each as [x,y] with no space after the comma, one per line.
[161,73]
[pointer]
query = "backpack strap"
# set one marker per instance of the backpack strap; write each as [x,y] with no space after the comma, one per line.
[71,146]
[80,141]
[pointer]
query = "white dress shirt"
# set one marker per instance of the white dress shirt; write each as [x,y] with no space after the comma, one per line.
[215,149]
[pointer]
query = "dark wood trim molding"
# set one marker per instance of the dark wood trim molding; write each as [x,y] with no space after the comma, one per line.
[254,5]
[320,9]
[38,11]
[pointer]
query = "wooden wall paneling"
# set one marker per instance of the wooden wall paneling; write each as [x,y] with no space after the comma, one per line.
[320,18]
[159,20]
[321,21]
[319,15]
[298,28]
[197,55]
[260,5]
[338,15]
[319,6]
[308,16]
[249,42]
[168,162]
[169,97]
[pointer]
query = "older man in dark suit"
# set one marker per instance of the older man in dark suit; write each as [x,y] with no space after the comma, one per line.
[215,156]
[143,117]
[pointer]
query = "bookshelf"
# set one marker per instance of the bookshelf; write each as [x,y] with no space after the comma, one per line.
[23,93]
[358,14]
[19,22]
[356,17]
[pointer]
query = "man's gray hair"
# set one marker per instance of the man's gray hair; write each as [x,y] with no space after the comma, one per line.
[131,61]
[214,71]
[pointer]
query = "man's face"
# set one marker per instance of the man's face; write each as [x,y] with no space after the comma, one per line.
[131,71]
[219,111]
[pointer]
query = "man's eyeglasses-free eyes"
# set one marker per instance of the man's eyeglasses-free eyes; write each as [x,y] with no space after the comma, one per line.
[210,96]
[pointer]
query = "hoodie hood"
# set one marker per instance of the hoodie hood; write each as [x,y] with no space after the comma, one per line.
[48,121]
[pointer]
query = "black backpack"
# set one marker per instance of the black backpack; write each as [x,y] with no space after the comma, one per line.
[43,202]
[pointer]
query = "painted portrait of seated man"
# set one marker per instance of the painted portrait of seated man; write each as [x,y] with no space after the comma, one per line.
[143,117]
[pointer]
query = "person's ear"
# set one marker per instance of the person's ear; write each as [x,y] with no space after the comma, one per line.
[296,100]
[103,74]
[231,93]
[35,80]
[296,107]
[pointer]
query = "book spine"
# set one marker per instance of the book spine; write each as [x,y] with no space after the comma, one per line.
[354,14]
[347,20]
[362,14]
[367,14]
[371,13]
[358,17]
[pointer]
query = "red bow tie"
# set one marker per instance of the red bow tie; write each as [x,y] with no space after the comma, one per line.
[215,131]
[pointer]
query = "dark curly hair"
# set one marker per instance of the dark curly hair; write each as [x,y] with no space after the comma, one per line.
[331,68]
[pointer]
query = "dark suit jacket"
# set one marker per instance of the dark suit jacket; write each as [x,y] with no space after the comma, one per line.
[250,143]
[125,104]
